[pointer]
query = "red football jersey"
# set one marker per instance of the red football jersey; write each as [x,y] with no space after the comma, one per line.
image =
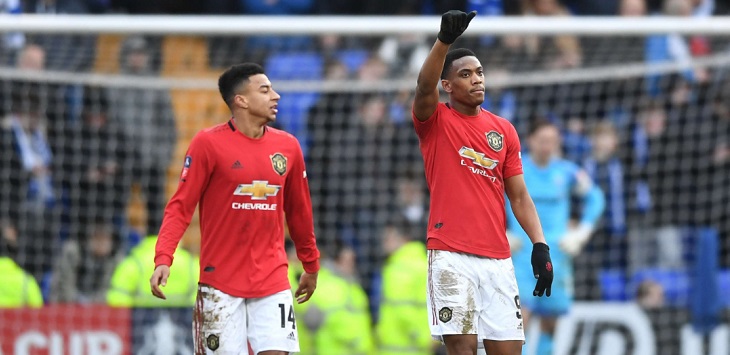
[245,188]
[467,159]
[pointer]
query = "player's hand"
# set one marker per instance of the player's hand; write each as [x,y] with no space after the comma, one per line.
[542,267]
[159,277]
[453,24]
[307,285]
[574,241]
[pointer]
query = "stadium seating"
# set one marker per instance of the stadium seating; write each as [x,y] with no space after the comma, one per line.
[294,106]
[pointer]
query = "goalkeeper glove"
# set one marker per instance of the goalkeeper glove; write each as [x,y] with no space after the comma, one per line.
[576,238]
[453,24]
[542,268]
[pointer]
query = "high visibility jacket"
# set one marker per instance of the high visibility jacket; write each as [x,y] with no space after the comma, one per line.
[345,326]
[130,284]
[18,288]
[305,336]
[403,318]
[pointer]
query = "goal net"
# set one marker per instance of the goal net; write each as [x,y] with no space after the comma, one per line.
[97,113]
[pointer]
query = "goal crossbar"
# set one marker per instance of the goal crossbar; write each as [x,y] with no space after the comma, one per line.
[356,25]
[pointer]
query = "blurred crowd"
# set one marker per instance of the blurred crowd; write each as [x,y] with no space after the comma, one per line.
[71,155]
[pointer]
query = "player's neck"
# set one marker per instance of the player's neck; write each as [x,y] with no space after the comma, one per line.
[249,127]
[465,109]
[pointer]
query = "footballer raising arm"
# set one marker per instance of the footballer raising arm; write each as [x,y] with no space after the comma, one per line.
[471,158]
[453,24]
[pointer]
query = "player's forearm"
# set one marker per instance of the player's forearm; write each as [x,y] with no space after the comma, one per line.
[301,229]
[174,223]
[299,218]
[594,203]
[306,247]
[526,215]
[430,74]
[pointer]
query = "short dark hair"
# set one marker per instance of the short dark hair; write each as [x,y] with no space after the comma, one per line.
[452,56]
[539,124]
[233,77]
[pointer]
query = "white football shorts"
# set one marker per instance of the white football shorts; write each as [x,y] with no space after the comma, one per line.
[220,323]
[468,294]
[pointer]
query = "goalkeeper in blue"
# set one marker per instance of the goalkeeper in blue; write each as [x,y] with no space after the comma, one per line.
[552,182]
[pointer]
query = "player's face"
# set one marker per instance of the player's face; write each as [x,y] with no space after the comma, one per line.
[260,99]
[465,83]
[544,143]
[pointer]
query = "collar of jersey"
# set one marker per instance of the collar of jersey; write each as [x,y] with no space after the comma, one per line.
[481,110]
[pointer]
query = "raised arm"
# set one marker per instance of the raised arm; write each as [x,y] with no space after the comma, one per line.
[453,24]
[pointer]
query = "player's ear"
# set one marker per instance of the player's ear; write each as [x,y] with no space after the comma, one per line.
[446,85]
[240,101]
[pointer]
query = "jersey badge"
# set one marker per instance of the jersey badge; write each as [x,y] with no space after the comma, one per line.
[278,161]
[186,167]
[258,190]
[495,140]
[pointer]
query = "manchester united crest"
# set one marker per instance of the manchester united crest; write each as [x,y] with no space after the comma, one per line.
[212,342]
[445,314]
[278,161]
[495,140]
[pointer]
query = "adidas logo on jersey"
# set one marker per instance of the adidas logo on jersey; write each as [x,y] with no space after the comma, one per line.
[292,336]
[237,165]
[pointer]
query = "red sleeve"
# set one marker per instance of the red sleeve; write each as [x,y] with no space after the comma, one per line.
[423,128]
[513,158]
[179,211]
[298,210]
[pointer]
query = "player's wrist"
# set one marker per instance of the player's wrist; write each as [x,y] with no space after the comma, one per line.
[539,239]
[540,246]
[585,227]
[311,267]
[163,260]
[582,232]
[445,39]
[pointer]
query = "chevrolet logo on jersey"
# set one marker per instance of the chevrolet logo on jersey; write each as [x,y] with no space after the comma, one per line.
[478,158]
[258,190]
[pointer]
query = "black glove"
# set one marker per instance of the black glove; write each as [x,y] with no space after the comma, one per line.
[453,24]
[542,267]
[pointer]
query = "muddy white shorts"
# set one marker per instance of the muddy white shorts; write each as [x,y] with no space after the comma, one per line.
[468,294]
[222,324]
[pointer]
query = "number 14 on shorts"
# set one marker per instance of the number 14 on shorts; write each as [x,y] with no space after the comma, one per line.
[287,318]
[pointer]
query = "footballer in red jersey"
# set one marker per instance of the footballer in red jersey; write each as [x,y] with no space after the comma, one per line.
[472,158]
[247,178]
